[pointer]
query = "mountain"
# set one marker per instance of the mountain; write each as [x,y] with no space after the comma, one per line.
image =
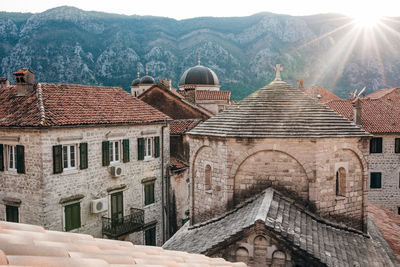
[69,45]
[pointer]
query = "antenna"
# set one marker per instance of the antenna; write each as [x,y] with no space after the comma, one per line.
[362,91]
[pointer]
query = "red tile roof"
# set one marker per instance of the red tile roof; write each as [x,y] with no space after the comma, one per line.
[320,93]
[182,126]
[30,245]
[212,95]
[383,92]
[377,115]
[176,164]
[388,224]
[72,104]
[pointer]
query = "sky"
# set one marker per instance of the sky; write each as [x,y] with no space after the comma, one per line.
[182,9]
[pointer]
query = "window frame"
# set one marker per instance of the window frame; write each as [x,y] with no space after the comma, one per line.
[370,180]
[397,145]
[148,141]
[373,145]
[73,226]
[147,197]
[69,157]
[115,157]
[9,147]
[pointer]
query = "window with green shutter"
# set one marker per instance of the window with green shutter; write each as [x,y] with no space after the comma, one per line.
[83,156]
[106,153]
[156,146]
[12,214]
[57,159]
[125,150]
[20,159]
[1,158]
[376,180]
[148,193]
[140,148]
[72,216]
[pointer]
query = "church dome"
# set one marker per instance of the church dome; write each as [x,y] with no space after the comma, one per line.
[147,80]
[199,75]
[135,82]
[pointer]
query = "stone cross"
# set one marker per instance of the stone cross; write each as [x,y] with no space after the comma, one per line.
[278,70]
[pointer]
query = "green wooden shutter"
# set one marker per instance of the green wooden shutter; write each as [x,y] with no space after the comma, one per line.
[12,214]
[1,158]
[83,156]
[57,159]
[156,146]
[140,148]
[72,216]
[20,159]
[125,148]
[149,193]
[106,153]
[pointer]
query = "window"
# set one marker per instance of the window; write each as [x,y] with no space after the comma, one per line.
[117,207]
[69,157]
[112,151]
[150,236]
[341,182]
[115,151]
[398,210]
[375,145]
[207,174]
[148,147]
[376,180]
[12,158]
[397,145]
[148,151]
[72,216]
[12,214]
[148,193]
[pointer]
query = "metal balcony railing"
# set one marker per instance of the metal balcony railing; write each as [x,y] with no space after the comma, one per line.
[131,223]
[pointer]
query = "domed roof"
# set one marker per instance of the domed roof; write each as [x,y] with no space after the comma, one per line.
[135,82]
[147,80]
[199,75]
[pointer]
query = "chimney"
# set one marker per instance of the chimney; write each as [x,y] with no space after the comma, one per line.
[167,83]
[300,84]
[4,82]
[190,94]
[25,80]
[357,111]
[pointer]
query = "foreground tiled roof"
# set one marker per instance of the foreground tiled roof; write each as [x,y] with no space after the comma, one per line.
[182,126]
[300,230]
[388,224]
[278,110]
[377,115]
[320,93]
[50,105]
[212,95]
[30,245]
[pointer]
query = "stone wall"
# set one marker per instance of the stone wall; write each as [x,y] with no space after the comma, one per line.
[180,199]
[388,163]
[304,168]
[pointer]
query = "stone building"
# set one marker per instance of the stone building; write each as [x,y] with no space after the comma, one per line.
[379,114]
[280,180]
[84,159]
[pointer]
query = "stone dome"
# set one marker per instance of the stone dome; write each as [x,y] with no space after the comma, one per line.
[199,75]
[135,82]
[147,80]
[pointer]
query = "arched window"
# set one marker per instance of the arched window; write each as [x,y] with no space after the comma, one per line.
[261,250]
[341,182]
[207,174]
[242,255]
[278,259]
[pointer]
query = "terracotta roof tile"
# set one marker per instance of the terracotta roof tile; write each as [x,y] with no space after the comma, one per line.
[182,126]
[382,93]
[71,104]
[381,115]
[28,245]
[212,95]
[320,93]
[176,164]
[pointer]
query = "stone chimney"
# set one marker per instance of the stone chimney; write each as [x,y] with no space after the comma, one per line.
[4,82]
[25,80]
[357,111]
[167,83]
[190,94]
[300,84]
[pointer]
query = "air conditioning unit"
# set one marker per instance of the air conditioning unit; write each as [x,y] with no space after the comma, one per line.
[117,171]
[99,205]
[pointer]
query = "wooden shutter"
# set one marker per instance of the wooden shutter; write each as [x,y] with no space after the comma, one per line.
[57,159]
[20,159]
[140,148]
[1,158]
[125,150]
[12,214]
[106,153]
[83,156]
[72,216]
[156,146]
[149,193]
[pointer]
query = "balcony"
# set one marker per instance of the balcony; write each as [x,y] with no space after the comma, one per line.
[113,228]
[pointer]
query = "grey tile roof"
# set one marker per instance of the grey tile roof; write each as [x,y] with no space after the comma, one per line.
[314,237]
[278,110]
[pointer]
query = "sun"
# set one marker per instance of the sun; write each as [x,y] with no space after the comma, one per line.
[366,20]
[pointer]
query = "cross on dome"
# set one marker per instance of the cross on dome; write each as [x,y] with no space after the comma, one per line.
[278,70]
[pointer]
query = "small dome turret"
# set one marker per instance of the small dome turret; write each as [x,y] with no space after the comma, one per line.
[199,75]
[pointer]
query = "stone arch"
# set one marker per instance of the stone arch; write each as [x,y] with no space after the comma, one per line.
[278,259]
[242,254]
[260,244]
[270,168]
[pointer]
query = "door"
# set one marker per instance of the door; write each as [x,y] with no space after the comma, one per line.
[117,207]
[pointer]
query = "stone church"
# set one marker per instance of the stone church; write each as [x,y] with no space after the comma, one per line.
[279,180]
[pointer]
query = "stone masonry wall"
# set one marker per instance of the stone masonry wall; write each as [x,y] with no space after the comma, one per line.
[23,187]
[388,163]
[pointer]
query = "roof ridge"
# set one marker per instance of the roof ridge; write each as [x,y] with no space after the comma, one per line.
[265,205]
[42,112]
[82,85]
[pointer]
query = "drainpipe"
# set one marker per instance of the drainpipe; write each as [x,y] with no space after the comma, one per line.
[163,184]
